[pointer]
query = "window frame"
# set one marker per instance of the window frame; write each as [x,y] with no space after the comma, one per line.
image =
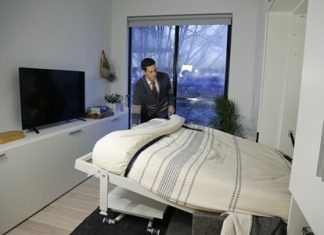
[186,20]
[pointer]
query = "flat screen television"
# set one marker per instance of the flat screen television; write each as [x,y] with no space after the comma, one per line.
[49,96]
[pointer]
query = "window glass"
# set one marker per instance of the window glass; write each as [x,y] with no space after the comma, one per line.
[200,72]
[156,42]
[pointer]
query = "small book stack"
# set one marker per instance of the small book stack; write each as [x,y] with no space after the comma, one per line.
[97,112]
[98,109]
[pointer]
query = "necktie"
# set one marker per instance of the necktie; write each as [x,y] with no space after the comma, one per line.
[154,90]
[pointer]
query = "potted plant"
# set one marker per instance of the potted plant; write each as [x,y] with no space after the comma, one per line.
[227,117]
[114,101]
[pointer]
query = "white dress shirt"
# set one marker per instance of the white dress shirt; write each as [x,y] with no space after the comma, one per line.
[151,85]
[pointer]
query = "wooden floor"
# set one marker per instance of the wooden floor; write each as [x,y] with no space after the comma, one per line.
[64,214]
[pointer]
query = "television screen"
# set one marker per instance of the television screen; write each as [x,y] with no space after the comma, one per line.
[49,96]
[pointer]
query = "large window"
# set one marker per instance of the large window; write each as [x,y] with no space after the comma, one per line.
[195,56]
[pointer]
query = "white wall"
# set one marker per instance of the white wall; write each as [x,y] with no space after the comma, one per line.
[307,189]
[70,34]
[244,34]
[259,62]
[60,34]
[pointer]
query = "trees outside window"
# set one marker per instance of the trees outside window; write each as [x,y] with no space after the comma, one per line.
[196,58]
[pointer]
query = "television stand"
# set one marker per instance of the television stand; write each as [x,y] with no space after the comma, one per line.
[27,187]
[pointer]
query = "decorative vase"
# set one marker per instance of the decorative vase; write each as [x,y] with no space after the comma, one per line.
[119,107]
[116,107]
[112,107]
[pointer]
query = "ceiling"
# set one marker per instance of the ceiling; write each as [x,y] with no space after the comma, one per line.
[296,6]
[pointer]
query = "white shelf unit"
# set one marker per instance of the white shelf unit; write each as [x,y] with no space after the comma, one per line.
[39,168]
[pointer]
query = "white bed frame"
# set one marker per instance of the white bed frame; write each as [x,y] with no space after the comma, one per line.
[128,197]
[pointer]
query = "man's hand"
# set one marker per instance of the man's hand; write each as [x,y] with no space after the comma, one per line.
[171,110]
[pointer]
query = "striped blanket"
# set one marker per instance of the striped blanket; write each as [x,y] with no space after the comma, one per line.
[210,170]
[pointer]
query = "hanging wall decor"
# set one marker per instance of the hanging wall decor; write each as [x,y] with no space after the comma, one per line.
[105,68]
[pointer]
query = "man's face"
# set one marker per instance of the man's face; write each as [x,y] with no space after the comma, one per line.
[150,72]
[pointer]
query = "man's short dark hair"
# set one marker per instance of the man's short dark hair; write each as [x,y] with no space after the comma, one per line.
[147,62]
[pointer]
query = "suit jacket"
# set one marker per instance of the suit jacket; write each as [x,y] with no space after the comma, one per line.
[146,105]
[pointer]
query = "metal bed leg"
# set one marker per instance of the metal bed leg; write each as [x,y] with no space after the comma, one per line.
[152,230]
[103,203]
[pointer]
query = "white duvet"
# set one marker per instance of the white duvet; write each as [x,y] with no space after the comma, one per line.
[206,170]
[114,151]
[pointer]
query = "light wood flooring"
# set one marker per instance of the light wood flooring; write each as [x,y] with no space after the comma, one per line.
[64,214]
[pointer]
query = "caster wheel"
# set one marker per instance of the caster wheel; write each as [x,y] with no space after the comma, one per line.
[105,220]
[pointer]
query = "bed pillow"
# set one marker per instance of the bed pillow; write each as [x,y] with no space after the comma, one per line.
[114,151]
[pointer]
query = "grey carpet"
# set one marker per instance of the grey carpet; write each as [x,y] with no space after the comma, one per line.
[129,225]
[206,223]
[180,223]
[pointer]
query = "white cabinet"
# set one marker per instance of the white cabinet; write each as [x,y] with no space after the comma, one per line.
[36,170]
[306,187]
[282,78]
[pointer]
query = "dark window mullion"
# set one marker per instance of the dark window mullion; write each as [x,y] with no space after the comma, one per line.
[228,54]
[175,62]
[129,97]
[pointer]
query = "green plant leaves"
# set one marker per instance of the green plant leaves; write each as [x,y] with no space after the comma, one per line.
[227,118]
[113,98]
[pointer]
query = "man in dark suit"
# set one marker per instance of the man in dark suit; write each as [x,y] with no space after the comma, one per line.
[153,95]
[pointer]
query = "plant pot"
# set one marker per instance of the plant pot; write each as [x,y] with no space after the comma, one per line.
[116,107]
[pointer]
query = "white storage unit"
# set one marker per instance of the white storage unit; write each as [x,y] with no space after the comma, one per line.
[284,47]
[36,170]
[306,184]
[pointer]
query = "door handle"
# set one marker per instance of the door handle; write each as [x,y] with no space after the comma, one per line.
[75,132]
